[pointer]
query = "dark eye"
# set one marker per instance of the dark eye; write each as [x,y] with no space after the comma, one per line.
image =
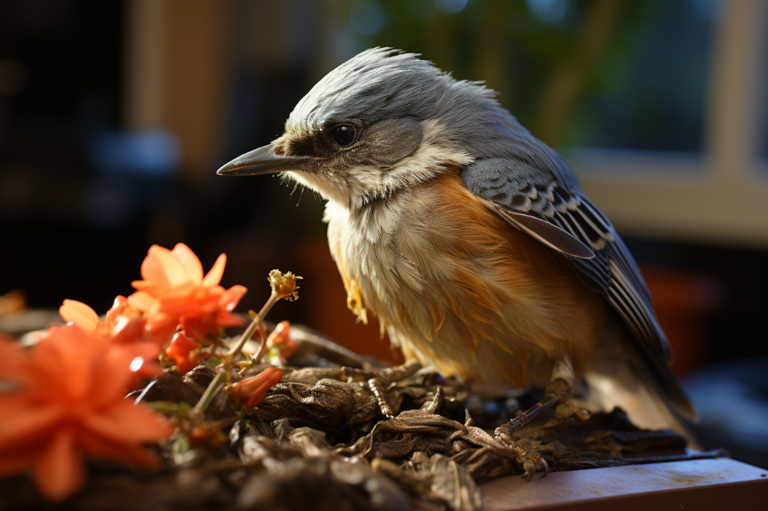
[344,134]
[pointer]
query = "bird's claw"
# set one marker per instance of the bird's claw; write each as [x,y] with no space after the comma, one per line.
[532,462]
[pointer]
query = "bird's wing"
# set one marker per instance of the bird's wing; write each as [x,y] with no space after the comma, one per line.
[563,218]
[551,207]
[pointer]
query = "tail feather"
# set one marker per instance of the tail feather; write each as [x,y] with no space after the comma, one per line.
[620,383]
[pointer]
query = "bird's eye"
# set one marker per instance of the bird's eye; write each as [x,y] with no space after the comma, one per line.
[344,134]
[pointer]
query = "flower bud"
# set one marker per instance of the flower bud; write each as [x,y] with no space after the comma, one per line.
[184,351]
[280,338]
[253,390]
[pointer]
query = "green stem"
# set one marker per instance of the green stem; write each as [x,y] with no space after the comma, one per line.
[209,394]
[273,299]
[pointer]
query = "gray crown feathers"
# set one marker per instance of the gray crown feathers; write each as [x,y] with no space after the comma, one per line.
[384,83]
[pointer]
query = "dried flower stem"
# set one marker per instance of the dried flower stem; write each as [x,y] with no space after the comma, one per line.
[262,347]
[283,286]
[273,299]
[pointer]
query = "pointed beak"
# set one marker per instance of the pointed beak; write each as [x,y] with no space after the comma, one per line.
[263,161]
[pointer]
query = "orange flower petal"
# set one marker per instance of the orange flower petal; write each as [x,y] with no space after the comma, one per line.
[76,352]
[253,390]
[193,269]
[23,419]
[13,359]
[161,327]
[173,269]
[141,300]
[182,290]
[125,422]
[118,372]
[59,471]
[127,330]
[160,267]
[118,307]
[232,297]
[80,314]
[226,319]
[111,379]
[152,288]
[152,268]
[182,351]
[281,338]
[17,459]
[217,271]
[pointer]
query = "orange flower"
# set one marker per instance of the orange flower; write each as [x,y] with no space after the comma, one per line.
[127,324]
[207,435]
[66,400]
[82,315]
[124,329]
[185,352]
[253,390]
[175,292]
[280,338]
[122,323]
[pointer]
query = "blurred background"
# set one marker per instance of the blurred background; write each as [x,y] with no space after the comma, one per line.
[114,116]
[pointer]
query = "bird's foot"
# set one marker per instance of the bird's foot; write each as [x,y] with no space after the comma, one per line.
[566,408]
[556,392]
[532,462]
[501,444]
[559,389]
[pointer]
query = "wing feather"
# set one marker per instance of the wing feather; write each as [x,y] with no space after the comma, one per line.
[610,270]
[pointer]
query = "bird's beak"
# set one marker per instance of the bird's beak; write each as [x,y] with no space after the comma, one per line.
[263,161]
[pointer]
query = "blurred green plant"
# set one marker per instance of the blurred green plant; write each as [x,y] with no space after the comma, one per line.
[550,60]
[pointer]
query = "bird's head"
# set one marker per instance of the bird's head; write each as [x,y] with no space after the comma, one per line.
[380,122]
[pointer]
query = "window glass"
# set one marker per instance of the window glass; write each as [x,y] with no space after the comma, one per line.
[650,90]
[626,75]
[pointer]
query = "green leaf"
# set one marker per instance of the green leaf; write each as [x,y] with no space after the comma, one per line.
[166,407]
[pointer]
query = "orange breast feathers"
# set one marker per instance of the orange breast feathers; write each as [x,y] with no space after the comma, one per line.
[470,293]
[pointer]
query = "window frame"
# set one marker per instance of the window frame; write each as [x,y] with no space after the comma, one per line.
[720,196]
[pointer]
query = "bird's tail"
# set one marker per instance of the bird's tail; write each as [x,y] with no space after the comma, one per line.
[622,378]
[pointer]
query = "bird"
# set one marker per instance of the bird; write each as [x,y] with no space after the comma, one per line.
[471,240]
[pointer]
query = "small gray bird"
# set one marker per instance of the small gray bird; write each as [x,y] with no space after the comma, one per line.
[470,239]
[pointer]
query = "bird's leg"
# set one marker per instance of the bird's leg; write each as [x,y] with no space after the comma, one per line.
[561,382]
[560,386]
[557,391]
